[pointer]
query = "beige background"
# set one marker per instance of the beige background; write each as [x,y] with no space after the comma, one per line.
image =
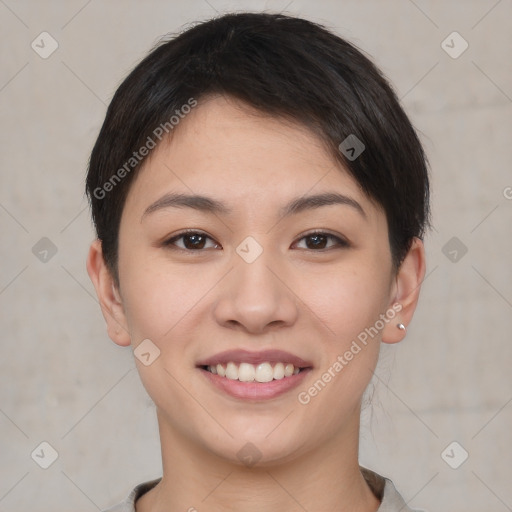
[61,379]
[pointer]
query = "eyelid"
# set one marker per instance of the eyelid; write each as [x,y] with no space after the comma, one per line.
[189,231]
[341,240]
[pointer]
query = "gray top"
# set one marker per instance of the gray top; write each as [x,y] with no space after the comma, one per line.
[383,488]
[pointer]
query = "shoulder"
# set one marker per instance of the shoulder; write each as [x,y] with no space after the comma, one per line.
[382,487]
[128,504]
[385,490]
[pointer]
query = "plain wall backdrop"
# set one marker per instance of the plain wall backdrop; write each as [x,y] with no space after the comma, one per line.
[63,382]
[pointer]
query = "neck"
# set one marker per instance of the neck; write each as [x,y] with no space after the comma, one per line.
[327,478]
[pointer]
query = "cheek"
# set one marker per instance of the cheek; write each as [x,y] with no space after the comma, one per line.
[166,302]
[348,305]
[154,300]
[346,300]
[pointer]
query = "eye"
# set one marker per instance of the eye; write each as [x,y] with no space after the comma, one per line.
[191,240]
[320,241]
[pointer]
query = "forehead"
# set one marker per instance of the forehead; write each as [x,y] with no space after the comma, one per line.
[225,149]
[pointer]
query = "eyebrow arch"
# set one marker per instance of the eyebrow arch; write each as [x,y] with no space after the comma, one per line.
[308,202]
[209,205]
[197,202]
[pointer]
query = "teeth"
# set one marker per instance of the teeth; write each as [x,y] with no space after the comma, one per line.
[246,372]
[264,373]
[279,371]
[232,371]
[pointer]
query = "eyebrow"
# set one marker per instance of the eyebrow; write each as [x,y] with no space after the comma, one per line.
[315,201]
[210,205]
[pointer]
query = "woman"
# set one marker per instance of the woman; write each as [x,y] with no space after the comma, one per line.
[260,199]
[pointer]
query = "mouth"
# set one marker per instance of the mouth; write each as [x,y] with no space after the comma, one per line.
[255,375]
[247,372]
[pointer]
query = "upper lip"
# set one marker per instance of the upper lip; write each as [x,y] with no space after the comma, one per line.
[246,356]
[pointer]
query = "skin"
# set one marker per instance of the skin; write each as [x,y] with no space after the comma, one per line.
[312,302]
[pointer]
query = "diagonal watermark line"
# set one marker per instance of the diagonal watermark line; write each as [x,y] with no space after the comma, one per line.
[9,418]
[419,81]
[199,300]
[88,497]
[493,287]
[14,76]
[73,219]
[14,485]
[427,276]
[199,403]
[83,83]
[191,190]
[485,15]
[494,416]
[104,310]
[206,1]
[491,80]
[304,195]
[75,15]
[178,177]
[13,279]
[319,319]
[286,491]
[13,218]
[287,5]
[80,284]
[216,487]
[280,423]
[492,211]
[424,14]
[14,14]
[409,501]
[410,409]
[97,402]
[490,490]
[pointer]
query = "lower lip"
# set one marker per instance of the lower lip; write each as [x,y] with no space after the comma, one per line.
[255,390]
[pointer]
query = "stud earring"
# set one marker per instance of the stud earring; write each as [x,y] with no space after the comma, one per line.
[401,327]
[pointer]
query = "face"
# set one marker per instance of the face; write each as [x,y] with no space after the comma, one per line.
[256,273]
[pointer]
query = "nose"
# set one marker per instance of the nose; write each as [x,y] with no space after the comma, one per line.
[255,297]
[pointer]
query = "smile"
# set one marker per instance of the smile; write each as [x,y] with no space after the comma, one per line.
[247,372]
[254,376]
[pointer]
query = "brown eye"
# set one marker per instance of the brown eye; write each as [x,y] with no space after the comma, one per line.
[316,241]
[193,241]
[319,241]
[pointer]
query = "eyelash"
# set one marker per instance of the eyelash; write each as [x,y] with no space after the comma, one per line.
[340,242]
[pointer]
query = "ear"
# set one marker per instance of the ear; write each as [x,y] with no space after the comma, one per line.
[108,295]
[406,291]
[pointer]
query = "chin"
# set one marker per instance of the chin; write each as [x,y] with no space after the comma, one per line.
[258,448]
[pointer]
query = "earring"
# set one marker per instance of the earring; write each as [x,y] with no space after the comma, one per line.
[401,327]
